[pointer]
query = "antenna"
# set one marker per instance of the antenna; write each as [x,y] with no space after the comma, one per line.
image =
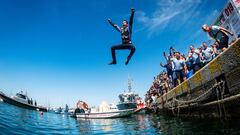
[129,83]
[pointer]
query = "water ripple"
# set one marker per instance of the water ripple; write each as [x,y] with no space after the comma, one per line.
[15,120]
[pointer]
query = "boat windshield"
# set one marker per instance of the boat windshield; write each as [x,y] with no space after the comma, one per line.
[21,96]
[127,98]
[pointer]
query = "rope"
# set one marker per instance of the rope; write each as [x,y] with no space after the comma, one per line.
[173,110]
[178,109]
[224,110]
[219,104]
[222,90]
[197,99]
[179,103]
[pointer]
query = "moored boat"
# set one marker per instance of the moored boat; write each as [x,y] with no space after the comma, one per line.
[21,100]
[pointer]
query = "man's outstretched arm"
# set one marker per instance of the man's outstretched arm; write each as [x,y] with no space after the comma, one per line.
[114,25]
[225,30]
[131,20]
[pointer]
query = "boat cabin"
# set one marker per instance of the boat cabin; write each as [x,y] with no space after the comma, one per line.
[20,95]
[128,97]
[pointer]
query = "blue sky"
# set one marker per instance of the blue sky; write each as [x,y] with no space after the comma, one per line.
[58,50]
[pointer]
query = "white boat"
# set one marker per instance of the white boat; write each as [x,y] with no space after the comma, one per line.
[21,100]
[108,114]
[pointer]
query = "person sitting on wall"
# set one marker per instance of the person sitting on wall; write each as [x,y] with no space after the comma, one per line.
[219,33]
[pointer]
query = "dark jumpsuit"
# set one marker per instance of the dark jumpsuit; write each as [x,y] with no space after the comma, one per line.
[126,40]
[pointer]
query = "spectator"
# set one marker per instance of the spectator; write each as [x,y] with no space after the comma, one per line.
[215,52]
[165,81]
[189,67]
[194,56]
[178,69]
[200,49]
[207,53]
[220,34]
[168,67]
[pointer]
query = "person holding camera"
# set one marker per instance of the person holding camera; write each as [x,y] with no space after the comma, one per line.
[168,66]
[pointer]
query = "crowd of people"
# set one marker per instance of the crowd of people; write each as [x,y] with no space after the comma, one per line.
[180,67]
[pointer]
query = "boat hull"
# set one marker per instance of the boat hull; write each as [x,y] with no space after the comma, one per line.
[104,115]
[124,106]
[19,104]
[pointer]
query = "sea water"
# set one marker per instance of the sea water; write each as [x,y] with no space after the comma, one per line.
[15,120]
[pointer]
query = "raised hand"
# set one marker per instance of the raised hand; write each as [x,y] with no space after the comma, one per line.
[161,64]
[132,9]
[164,54]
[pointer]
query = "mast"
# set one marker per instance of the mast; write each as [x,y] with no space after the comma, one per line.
[129,84]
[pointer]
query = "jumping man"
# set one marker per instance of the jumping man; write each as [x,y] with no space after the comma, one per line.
[126,32]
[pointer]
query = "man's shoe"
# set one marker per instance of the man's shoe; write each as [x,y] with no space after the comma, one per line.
[113,62]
